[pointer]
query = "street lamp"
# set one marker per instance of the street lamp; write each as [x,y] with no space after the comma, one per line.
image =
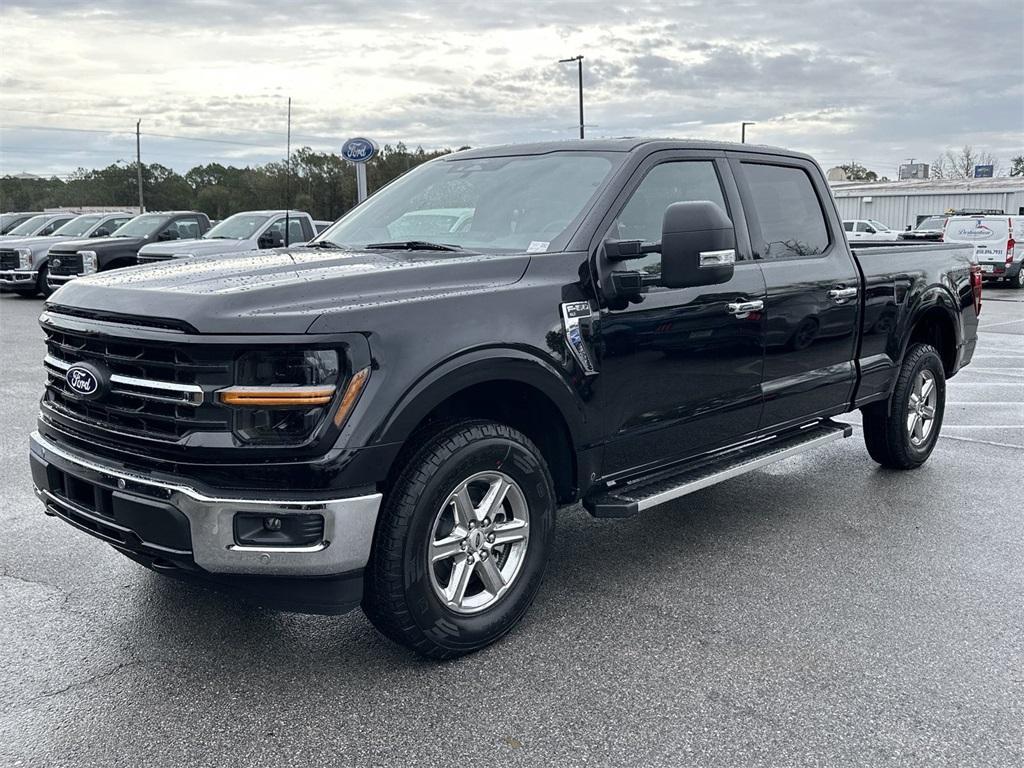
[579,61]
[743,132]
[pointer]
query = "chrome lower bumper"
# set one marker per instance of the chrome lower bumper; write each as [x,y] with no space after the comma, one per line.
[348,522]
[15,278]
[53,279]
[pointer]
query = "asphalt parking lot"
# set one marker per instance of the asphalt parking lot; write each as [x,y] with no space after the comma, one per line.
[820,612]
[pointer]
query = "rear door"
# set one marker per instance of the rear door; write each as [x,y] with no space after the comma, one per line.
[812,309]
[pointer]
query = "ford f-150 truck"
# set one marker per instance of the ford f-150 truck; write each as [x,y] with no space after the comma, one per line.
[24,262]
[246,231]
[84,257]
[392,421]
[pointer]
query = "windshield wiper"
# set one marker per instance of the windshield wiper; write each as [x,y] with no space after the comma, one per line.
[323,244]
[414,245]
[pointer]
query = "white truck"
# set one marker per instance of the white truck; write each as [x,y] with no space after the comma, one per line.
[868,230]
[245,231]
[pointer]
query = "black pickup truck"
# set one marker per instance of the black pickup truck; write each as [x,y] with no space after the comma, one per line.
[73,259]
[394,422]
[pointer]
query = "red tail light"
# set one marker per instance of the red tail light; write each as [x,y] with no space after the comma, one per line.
[1009,251]
[976,282]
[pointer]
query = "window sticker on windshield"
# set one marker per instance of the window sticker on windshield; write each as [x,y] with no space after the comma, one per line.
[538,246]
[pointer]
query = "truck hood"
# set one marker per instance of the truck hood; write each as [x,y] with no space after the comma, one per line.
[286,290]
[198,247]
[35,243]
[101,244]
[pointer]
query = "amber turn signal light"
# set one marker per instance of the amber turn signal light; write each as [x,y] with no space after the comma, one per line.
[352,392]
[276,396]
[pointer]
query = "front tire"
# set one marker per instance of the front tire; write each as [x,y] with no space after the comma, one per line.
[463,541]
[901,432]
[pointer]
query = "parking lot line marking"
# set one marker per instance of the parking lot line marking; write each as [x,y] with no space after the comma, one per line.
[983,426]
[985,442]
[996,325]
[984,402]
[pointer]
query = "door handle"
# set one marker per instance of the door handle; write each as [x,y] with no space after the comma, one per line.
[743,308]
[840,295]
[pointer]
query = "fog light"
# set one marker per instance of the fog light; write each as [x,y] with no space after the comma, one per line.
[259,530]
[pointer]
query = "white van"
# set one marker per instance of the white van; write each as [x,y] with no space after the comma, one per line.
[994,238]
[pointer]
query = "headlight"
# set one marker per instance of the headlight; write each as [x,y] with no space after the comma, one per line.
[88,262]
[24,258]
[282,396]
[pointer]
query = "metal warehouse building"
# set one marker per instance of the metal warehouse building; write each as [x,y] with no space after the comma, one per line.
[899,204]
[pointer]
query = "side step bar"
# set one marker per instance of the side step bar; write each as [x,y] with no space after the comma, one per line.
[643,493]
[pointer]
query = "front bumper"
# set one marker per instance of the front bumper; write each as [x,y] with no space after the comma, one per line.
[55,281]
[176,524]
[19,278]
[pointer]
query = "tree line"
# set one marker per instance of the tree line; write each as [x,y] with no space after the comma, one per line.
[321,183]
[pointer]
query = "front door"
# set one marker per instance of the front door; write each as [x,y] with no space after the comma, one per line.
[682,373]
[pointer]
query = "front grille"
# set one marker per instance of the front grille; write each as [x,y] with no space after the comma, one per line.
[150,258]
[157,391]
[8,259]
[70,263]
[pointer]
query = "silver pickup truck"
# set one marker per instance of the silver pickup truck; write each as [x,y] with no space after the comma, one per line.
[24,261]
[246,231]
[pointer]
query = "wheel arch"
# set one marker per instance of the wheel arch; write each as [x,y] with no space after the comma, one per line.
[934,320]
[512,386]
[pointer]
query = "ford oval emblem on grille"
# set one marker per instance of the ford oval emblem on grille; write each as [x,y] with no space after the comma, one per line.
[86,381]
[56,262]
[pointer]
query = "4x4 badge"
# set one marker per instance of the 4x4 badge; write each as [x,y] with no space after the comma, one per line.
[575,315]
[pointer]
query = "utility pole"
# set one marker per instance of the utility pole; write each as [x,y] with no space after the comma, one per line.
[138,161]
[579,61]
[288,177]
[743,132]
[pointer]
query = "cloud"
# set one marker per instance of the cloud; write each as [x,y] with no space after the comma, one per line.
[868,81]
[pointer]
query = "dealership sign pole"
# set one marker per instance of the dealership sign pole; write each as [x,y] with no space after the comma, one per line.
[359,152]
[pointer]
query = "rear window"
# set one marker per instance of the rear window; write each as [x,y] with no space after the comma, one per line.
[974,230]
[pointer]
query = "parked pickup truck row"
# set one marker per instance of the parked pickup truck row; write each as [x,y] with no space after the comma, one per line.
[74,246]
[393,422]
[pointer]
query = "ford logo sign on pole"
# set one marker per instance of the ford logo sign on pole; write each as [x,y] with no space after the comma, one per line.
[359,152]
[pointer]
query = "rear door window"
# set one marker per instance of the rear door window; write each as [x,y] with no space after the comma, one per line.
[788,211]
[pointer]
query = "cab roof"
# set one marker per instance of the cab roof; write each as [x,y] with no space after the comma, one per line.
[624,145]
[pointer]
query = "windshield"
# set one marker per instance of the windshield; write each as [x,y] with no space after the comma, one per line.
[523,203]
[30,226]
[79,226]
[933,222]
[141,226]
[241,226]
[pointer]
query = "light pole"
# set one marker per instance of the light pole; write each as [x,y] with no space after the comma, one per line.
[579,61]
[743,132]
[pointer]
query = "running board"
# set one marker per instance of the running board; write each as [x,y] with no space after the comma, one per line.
[631,498]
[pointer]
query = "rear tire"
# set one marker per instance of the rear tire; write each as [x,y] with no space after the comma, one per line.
[453,566]
[901,432]
[1018,281]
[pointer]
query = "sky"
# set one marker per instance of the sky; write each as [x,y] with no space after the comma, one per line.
[878,83]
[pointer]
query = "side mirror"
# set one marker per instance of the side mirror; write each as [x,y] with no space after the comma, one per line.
[102,232]
[271,239]
[698,245]
[168,234]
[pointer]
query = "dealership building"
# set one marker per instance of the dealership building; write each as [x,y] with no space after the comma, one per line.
[899,204]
